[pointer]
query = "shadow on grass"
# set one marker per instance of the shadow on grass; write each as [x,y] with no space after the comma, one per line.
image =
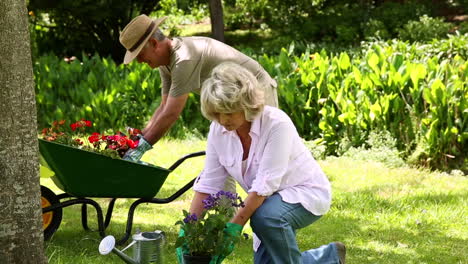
[379,224]
[407,230]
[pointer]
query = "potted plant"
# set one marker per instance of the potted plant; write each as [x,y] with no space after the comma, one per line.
[203,236]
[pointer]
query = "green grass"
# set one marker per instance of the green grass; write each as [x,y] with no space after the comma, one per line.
[383,215]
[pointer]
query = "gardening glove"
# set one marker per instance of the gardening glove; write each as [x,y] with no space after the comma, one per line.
[181,251]
[232,233]
[135,154]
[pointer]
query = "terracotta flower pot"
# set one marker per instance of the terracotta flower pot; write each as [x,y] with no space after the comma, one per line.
[188,259]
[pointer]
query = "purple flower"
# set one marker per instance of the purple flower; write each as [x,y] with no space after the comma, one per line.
[210,201]
[194,217]
[190,218]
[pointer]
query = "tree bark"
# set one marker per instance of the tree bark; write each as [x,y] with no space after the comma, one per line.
[21,236]
[217,22]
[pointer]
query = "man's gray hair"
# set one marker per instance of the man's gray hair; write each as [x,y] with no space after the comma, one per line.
[158,35]
[231,88]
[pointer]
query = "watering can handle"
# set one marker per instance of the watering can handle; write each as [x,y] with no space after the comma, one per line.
[129,245]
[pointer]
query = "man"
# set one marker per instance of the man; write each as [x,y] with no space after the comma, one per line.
[184,63]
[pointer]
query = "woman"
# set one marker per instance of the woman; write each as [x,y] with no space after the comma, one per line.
[259,146]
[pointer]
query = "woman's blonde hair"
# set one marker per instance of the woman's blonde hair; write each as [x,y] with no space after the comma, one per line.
[231,88]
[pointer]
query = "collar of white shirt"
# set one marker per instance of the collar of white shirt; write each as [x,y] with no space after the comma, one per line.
[255,128]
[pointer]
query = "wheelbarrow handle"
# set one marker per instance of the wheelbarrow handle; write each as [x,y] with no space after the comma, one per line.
[192,155]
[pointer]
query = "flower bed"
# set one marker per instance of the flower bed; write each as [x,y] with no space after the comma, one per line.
[75,135]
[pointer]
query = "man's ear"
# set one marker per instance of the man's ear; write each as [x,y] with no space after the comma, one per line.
[153,42]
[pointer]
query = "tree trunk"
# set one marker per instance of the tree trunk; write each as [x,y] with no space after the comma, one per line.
[21,236]
[217,23]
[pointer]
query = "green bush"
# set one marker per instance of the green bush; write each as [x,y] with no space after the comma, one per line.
[111,96]
[375,29]
[70,27]
[380,147]
[395,15]
[416,92]
[463,27]
[427,28]
[345,22]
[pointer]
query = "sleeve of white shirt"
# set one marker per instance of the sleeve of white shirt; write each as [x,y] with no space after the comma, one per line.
[212,178]
[274,160]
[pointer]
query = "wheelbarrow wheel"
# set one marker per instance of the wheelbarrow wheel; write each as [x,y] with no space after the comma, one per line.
[50,220]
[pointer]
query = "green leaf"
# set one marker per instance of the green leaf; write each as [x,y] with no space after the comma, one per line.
[376,111]
[344,61]
[357,75]
[437,91]
[454,130]
[373,62]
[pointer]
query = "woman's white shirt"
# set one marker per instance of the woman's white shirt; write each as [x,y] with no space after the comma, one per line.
[278,161]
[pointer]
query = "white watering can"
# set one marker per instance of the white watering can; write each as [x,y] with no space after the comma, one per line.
[147,248]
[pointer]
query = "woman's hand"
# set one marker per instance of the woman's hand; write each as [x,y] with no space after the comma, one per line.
[231,234]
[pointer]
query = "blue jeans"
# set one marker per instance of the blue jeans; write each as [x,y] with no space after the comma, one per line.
[275,223]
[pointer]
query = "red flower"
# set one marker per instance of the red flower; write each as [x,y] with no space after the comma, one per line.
[79,141]
[132,144]
[122,141]
[114,147]
[94,137]
[81,123]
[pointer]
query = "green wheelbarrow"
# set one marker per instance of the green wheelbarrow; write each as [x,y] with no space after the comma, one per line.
[84,175]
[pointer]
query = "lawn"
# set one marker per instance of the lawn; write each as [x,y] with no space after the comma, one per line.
[383,215]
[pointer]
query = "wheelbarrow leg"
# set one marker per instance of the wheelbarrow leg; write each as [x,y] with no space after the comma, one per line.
[84,217]
[110,208]
[83,201]
[131,211]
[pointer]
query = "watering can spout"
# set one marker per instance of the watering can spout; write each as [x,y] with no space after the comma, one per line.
[107,245]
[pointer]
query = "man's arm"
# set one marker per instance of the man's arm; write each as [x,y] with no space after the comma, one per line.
[164,117]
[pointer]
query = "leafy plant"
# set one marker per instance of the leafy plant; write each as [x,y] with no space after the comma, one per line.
[380,147]
[331,95]
[463,27]
[427,28]
[71,27]
[204,235]
[375,29]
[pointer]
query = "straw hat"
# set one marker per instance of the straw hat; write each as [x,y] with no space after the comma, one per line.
[136,33]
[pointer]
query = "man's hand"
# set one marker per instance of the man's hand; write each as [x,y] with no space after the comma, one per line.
[135,154]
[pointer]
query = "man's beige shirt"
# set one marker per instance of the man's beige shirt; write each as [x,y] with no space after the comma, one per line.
[192,60]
